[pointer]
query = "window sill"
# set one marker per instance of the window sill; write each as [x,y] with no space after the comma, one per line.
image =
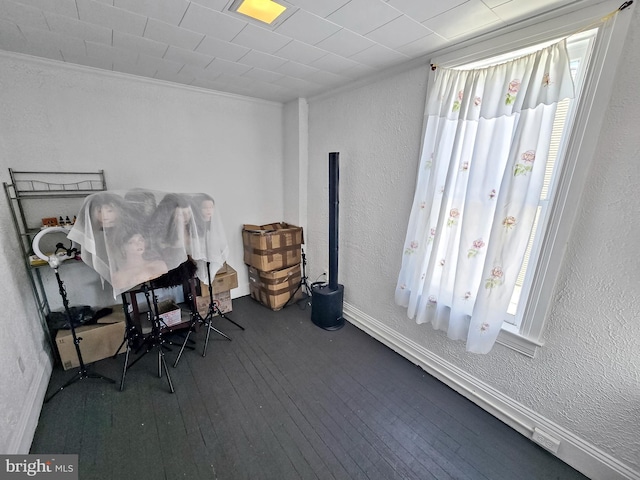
[511,338]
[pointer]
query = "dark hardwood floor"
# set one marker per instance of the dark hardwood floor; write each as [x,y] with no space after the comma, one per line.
[283,400]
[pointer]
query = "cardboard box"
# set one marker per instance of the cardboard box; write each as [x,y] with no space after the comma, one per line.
[170,314]
[225,268]
[222,300]
[226,279]
[98,341]
[117,315]
[272,247]
[274,289]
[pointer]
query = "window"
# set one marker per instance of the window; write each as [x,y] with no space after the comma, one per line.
[579,47]
[594,54]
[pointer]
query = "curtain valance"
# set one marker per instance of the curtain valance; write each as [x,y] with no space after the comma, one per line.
[541,78]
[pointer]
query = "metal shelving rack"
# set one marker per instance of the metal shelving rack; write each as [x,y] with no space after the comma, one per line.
[58,189]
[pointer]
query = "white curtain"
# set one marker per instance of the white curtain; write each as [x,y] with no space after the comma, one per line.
[484,152]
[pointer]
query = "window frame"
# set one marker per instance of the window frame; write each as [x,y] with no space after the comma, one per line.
[581,142]
[584,43]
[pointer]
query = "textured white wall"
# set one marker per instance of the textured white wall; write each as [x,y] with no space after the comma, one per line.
[21,340]
[295,162]
[147,135]
[586,378]
[142,134]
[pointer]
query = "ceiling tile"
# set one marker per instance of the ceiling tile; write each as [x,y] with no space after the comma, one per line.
[345,43]
[423,46]
[42,49]
[163,66]
[221,49]
[363,16]
[168,11]
[219,65]
[83,60]
[178,77]
[95,62]
[66,43]
[307,27]
[301,52]
[358,70]
[62,7]
[142,45]
[295,69]
[172,35]
[262,60]
[322,8]
[218,5]
[275,92]
[150,64]
[197,72]
[142,70]
[333,63]
[297,84]
[233,79]
[180,55]
[261,39]
[494,3]
[76,28]
[519,9]
[379,56]
[262,75]
[424,9]
[10,34]
[206,84]
[463,21]
[20,14]
[328,78]
[398,32]
[204,20]
[107,16]
[100,50]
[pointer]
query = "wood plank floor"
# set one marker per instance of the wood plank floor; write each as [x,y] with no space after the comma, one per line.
[283,400]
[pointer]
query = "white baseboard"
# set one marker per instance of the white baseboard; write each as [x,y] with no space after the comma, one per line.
[20,442]
[573,450]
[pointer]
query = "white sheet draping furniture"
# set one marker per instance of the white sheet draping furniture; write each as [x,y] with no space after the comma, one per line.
[130,237]
[485,147]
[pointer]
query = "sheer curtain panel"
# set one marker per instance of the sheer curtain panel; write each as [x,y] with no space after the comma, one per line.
[482,166]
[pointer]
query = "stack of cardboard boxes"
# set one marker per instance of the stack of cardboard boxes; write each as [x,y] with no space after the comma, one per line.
[273,253]
[224,281]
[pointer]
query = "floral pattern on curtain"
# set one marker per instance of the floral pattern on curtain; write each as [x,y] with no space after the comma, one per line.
[484,153]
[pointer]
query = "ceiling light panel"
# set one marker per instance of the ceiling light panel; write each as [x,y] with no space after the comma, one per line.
[264,10]
[266,13]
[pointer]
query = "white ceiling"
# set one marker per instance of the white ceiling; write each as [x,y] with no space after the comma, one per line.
[324,44]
